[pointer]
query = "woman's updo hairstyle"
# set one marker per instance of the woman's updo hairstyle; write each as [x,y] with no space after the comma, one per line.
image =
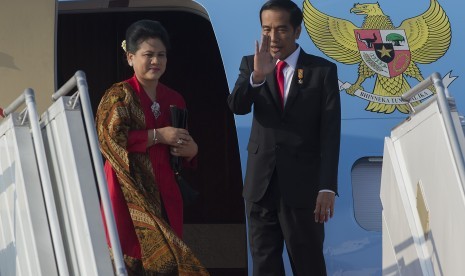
[142,30]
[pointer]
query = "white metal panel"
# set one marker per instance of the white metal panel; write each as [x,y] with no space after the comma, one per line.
[74,183]
[25,242]
[432,162]
[389,260]
[423,153]
[404,248]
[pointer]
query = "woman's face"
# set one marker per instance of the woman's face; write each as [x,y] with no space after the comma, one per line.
[149,61]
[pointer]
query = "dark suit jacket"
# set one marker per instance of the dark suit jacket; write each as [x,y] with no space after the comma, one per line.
[302,141]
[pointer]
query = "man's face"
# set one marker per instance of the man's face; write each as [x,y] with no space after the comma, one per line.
[276,24]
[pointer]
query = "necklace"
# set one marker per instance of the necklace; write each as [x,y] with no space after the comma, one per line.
[155,109]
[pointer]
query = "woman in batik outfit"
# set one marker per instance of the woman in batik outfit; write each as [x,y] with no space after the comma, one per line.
[136,139]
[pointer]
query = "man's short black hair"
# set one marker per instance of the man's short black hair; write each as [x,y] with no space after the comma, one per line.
[294,11]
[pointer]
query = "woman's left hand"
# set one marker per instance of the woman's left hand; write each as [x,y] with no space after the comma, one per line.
[185,148]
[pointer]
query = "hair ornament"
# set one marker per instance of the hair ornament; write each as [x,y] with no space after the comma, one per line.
[123,45]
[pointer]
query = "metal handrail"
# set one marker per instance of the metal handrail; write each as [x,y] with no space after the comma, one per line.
[407,96]
[444,108]
[79,79]
[28,96]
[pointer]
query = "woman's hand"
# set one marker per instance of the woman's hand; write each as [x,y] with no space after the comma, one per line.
[171,135]
[182,144]
[186,148]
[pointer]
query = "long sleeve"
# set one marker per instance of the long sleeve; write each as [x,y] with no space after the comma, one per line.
[242,97]
[330,131]
[137,141]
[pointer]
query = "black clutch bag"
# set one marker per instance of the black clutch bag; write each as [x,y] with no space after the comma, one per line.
[189,194]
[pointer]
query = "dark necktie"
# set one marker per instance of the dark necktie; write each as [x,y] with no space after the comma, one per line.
[280,79]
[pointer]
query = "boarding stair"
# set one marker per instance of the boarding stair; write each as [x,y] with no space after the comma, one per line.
[52,188]
[422,187]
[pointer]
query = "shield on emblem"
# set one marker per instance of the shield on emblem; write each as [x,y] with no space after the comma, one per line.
[385,51]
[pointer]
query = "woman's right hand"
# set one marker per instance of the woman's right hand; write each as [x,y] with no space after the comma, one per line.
[172,136]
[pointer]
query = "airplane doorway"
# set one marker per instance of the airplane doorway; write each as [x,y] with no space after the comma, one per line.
[91,41]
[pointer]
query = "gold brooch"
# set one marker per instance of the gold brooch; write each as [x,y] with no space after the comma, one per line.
[300,75]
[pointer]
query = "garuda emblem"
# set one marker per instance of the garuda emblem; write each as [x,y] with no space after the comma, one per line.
[381,50]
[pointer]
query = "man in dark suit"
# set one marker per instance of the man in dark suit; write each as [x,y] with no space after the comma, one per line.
[293,150]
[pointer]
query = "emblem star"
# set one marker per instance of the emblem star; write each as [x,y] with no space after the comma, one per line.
[385,52]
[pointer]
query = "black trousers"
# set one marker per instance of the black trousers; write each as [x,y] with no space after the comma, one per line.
[273,223]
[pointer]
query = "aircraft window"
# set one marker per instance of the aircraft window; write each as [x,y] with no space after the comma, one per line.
[366,182]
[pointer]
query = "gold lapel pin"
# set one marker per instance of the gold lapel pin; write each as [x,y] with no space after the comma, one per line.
[300,75]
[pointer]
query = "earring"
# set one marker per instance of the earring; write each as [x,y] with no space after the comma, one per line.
[130,64]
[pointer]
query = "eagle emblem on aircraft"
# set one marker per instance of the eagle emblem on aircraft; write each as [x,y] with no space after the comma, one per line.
[381,50]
